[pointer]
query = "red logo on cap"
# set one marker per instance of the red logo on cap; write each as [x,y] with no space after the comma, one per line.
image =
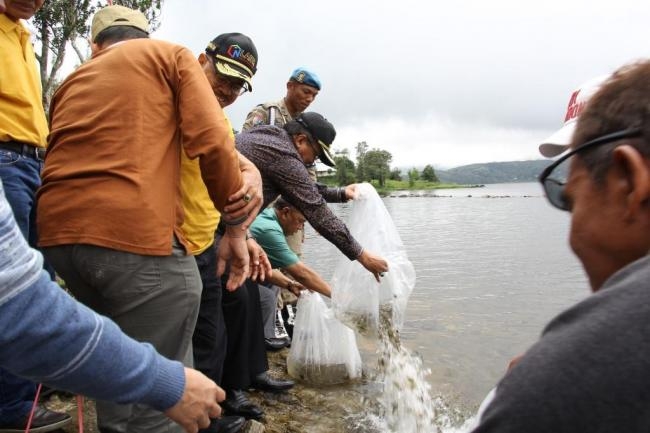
[575,108]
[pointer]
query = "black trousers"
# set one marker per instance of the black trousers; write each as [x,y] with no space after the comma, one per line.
[246,353]
[209,339]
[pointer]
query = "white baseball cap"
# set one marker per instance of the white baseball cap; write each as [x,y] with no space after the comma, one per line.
[559,141]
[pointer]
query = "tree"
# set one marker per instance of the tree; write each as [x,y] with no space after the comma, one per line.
[362,148]
[344,168]
[395,174]
[414,175]
[377,165]
[429,174]
[62,22]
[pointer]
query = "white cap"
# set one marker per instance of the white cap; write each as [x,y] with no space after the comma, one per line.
[559,141]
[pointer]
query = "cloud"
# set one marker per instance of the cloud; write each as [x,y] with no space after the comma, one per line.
[457,82]
[441,142]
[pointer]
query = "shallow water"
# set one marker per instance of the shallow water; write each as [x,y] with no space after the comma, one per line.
[492,269]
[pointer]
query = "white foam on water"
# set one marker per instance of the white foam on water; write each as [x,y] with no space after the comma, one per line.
[406,402]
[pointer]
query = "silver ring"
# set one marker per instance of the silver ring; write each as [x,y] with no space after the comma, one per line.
[247,198]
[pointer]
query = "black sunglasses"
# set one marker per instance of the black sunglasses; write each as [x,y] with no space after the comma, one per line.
[554,188]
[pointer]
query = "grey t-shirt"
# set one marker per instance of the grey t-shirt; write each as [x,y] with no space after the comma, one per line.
[590,370]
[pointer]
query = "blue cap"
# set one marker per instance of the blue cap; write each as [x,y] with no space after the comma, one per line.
[305,76]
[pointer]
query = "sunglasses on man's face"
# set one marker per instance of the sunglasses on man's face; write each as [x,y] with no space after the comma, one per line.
[554,186]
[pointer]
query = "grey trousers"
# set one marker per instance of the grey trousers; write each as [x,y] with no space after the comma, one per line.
[153,299]
[269,302]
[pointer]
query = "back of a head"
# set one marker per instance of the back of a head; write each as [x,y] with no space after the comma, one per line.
[281,203]
[622,103]
[117,23]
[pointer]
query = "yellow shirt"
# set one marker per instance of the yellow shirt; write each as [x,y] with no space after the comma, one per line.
[22,117]
[201,218]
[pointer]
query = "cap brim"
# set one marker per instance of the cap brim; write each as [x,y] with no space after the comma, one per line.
[558,142]
[325,155]
[233,71]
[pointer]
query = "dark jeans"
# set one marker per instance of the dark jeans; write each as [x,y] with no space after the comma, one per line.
[209,339]
[21,178]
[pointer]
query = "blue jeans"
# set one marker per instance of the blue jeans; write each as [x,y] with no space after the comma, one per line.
[21,177]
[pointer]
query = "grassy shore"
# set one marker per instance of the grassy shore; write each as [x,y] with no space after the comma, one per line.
[401,185]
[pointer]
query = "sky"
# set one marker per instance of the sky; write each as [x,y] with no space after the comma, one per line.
[443,83]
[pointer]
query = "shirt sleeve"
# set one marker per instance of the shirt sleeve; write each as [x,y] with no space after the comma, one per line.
[97,359]
[274,243]
[257,116]
[297,188]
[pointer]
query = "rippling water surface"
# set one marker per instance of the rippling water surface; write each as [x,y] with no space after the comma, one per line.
[493,267]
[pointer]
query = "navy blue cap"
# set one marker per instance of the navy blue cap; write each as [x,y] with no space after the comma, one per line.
[305,76]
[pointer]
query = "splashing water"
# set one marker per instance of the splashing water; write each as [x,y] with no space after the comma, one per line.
[406,404]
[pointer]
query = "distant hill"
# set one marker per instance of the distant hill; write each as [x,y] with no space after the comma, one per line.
[494,172]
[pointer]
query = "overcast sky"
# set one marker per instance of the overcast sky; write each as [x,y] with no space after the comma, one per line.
[443,83]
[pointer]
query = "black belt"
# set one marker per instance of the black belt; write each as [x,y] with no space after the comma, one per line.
[23,149]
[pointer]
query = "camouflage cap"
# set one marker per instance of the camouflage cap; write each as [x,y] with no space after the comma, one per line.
[116,15]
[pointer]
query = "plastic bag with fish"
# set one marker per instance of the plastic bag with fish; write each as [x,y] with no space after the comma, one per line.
[323,350]
[358,299]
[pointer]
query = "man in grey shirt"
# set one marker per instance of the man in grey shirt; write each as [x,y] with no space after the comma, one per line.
[589,370]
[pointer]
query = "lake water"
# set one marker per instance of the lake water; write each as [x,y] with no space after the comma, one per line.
[493,267]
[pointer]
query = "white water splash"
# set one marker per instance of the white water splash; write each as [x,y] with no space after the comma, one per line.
[406,402]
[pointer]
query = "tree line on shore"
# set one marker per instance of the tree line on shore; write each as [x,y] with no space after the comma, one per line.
[374,166]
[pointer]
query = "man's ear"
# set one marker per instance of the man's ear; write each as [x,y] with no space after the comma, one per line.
[202,59]
[633,175]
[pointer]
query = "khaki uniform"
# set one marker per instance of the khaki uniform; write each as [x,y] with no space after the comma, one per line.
[269,113]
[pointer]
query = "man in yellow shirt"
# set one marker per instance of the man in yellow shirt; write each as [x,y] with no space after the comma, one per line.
[229,63]
[23,134]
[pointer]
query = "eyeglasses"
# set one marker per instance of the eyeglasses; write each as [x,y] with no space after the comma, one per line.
[235,85]
[314,146]
[554,186]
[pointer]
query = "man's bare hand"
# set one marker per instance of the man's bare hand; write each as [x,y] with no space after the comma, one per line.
[248,199]
[259,262]
[351,191]
[375,264]
[234,252]
[199,402]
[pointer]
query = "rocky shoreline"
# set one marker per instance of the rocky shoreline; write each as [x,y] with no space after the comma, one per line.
[303,409]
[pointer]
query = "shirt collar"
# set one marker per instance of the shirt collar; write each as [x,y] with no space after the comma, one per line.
[7,25]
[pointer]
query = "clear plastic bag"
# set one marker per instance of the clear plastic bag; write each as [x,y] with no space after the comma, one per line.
[357,299]
[323,350]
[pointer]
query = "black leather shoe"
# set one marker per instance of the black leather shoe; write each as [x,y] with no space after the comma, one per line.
[264,382]
[275,344]
[226,424]
[236,403]
[44,420]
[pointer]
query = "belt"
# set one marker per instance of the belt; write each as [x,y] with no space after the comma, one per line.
[23,149]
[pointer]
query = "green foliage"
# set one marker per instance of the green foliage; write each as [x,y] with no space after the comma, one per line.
[60,23]
[429,174]
[377,165]
[344,169]
[494,172]
[395,174]
[414,175]
[362,148]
